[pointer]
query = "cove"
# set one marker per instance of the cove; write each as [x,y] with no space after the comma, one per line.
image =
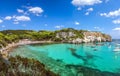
[65,59]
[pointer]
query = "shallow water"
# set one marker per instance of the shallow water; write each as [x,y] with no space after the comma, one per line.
[55,56]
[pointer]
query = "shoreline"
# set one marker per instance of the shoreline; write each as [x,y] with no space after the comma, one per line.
[5,50]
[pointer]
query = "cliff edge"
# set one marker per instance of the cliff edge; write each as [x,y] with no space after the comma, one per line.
[81,36]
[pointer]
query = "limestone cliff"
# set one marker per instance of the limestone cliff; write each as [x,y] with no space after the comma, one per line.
[79,36]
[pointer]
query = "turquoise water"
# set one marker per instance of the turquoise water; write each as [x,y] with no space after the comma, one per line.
[55,56]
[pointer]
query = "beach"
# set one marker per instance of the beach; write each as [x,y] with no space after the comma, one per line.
[5,50]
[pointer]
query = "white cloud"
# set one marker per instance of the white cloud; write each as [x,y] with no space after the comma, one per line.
[20,11]
[85,2]
[111,14]
[36,10]
[21,18]
[8,18]
[116,21]
[88,11]
[1,21]
[17,19]
[117,29]
[77,23]
[79,8]
[98,28]
[59,26]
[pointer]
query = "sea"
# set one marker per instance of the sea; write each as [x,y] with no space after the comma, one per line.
[68,59]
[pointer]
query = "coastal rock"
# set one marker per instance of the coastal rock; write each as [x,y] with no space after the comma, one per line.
[78,40]
[73,36]
[96,37]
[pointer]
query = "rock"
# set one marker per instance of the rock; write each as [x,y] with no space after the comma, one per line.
[78,40]
[75,36]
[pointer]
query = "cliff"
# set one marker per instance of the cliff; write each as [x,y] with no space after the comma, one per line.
[69,35]
[81,36]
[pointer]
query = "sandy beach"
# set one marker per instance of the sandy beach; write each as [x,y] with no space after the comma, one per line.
[5,50]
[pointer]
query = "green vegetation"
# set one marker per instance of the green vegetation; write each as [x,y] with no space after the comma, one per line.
[9,36]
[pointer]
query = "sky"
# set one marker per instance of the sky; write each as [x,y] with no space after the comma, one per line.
[92,15]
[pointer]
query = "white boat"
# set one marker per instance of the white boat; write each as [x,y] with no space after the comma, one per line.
[117,49]
[118,44]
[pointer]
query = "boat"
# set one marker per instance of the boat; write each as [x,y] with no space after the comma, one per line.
[117,49]
[118,44]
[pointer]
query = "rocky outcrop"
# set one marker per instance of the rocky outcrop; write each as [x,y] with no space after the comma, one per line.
[87,36]
[77,40]
[96,36]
